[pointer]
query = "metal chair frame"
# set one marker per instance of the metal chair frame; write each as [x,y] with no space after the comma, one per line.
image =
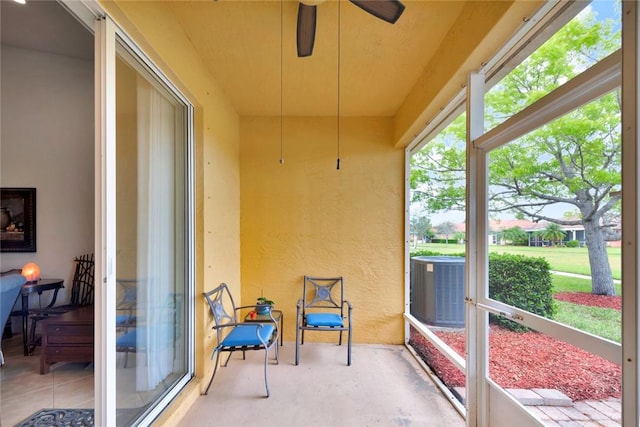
[259,336]
[320,297]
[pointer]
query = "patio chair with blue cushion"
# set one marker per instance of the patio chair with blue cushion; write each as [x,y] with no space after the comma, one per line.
[322,309]
[232,335]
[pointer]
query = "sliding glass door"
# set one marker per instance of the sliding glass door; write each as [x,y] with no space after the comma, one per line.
[144,231]
[151,235]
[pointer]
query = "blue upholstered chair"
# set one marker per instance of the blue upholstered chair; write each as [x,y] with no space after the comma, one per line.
[10,286]
[322,309]
[233,335]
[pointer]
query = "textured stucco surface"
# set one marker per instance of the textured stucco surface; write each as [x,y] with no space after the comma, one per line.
[306,217]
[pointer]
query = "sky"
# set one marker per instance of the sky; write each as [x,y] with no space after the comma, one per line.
[606,9]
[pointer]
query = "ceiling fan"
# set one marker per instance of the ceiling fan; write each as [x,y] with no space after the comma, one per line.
[387,10]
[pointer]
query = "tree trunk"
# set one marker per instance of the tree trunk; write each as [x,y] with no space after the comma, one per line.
[601,278]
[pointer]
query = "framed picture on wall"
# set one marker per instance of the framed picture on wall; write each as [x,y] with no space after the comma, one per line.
[17,219]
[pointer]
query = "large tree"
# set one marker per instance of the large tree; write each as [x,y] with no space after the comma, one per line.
[574,160]
[446,229]
[421,228]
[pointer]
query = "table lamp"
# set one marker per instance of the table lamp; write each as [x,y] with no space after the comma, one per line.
[31,272]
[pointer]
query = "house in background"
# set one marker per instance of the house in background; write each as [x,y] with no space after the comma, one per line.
[532,230]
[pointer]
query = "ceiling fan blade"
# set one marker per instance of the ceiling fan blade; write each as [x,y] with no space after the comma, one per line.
[387,10]
[306,29]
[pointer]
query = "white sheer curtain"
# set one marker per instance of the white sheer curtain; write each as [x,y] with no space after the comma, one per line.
[156,241]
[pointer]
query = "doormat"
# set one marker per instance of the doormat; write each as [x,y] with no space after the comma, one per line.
[59,418]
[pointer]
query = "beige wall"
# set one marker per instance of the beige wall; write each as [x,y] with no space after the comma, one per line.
[306,217]
[47,142]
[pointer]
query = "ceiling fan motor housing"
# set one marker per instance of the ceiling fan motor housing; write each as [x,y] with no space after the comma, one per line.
[387,10]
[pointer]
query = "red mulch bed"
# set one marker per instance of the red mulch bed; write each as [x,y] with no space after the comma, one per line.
[533,360]
[585,298]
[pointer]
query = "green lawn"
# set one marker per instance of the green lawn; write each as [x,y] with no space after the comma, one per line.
[603,322]
[570,260]
[573,284]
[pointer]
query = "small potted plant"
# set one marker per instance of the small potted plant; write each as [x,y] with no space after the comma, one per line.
[264,305]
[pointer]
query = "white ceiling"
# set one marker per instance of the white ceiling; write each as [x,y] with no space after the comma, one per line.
[44,25]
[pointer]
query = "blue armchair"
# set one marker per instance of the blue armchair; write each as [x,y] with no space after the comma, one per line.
[10,285]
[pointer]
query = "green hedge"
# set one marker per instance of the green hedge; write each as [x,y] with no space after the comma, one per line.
[521,281]
[572,244]
[426,252]
[445,241]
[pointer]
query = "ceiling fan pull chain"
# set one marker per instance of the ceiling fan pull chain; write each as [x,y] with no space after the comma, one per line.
[338,159]
[281,88]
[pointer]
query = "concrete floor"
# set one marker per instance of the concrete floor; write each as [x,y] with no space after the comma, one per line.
[384,386]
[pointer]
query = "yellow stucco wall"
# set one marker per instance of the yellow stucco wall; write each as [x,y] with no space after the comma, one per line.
[306,217]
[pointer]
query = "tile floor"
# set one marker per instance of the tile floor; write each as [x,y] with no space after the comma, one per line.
[24,391]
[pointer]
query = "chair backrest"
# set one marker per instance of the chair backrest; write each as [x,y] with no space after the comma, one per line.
[323,293]
[222,307]
[82,289]
[127,294]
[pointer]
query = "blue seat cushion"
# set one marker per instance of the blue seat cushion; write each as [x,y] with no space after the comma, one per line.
[324,319]
[247,335]
[137,337]
[124,319]
[129,339]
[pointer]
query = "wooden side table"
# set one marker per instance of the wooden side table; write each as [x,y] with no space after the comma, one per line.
[264,318]
[67,337]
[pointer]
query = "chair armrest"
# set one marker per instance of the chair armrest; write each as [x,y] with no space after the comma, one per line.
[299,309]
[246,306]
[350,307]
[226,325]
[255,307]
